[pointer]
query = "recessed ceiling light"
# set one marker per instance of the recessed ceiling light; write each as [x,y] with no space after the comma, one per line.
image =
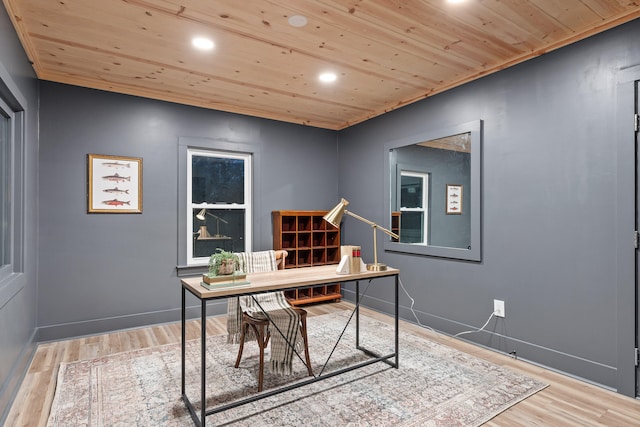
[328,77]
[202,43]
[456,1]
[297,21]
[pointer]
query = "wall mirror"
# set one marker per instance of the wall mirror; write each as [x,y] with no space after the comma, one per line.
[433,182]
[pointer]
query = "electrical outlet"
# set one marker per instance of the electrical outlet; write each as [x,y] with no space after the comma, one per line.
[498,308]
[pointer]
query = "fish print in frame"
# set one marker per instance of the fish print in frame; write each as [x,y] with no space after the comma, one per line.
[114,184]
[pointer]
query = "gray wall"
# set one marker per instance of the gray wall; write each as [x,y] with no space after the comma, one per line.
[552,168]
[18,295]
[100,272]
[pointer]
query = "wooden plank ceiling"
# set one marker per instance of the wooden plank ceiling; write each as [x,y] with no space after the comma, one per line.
[386,53]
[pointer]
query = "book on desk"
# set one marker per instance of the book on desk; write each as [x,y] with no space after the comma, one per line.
[217,282]
[236,284]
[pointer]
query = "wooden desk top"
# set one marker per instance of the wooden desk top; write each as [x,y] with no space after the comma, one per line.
[283,279]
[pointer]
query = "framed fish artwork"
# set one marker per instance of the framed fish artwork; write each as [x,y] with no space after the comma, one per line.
[114,184]
[454,199]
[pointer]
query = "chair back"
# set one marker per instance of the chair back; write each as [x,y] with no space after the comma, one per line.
[257,262]
[253,262]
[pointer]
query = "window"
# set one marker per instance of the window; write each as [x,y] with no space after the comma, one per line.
[11,184]
[219,200]
[414,187]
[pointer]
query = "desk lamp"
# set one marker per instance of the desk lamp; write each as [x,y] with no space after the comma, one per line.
[201,216]
[334,217]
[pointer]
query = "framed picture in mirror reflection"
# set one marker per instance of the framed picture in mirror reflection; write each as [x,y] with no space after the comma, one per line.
[454,199]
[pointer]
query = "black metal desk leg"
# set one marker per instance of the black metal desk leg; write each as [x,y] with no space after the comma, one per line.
[183,338]
[203,362]
[357,314]
[397,324]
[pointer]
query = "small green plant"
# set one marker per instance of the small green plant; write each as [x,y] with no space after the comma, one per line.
[222,263]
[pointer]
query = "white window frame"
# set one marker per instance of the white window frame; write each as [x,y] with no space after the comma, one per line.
[425,203]
[247,206]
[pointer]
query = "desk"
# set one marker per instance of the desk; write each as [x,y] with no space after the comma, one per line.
[278,280]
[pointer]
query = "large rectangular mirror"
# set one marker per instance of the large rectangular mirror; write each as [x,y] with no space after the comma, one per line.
[433,182]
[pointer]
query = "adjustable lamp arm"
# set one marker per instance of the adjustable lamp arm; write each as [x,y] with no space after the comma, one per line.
[371,223]
[334,216]
[203,212]
[202,215]
[217,218]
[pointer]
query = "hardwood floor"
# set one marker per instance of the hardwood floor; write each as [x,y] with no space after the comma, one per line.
[566,402]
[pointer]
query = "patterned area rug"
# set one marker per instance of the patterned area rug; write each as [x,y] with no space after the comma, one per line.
[435,385]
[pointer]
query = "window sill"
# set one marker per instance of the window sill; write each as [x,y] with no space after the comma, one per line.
[191,270]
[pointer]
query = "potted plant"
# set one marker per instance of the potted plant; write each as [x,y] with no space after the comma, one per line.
[222,263]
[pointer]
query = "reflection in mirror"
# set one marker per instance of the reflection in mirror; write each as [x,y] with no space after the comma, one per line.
[424,171]
[434,192]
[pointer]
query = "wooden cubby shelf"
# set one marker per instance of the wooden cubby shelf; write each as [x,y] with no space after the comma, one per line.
[313,294]
[310,241]
[395,224]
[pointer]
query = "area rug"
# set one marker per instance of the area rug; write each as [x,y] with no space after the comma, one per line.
[434,386]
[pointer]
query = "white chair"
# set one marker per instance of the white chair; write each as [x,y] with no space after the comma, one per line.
[247,319]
